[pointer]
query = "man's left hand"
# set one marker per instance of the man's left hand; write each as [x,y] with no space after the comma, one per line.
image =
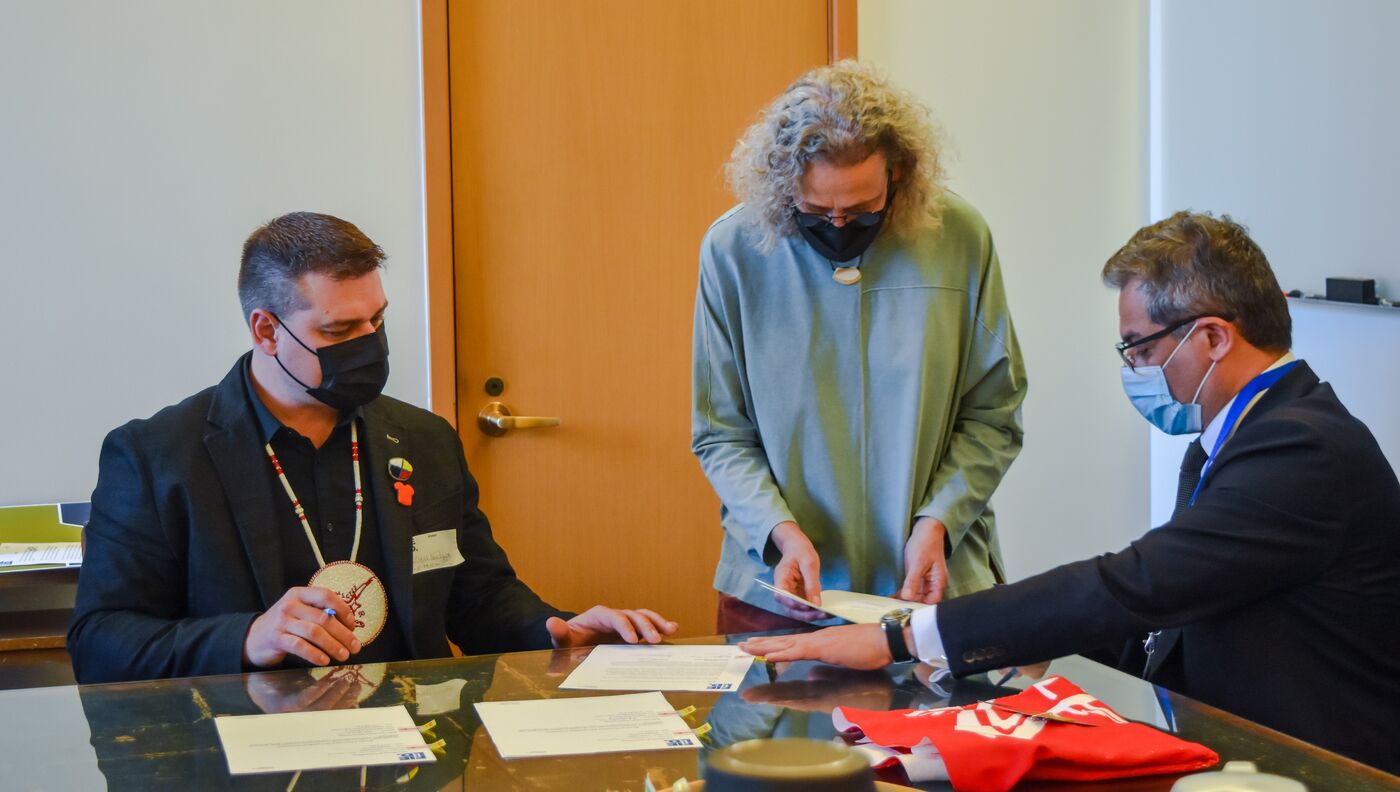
[925,566]
[861,646]
[599,624]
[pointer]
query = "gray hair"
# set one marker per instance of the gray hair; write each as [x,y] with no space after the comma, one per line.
[841,114]
[1194,264]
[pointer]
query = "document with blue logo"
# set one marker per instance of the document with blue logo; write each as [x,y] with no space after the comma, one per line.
[319,740]
[717,669]
[590,725]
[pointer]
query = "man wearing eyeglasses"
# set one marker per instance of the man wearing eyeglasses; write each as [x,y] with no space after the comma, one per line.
[1273,590]
[857,383]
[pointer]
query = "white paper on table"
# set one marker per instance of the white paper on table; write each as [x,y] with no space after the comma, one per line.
[320,740]
[849,605]
[596,724]
[645,667]
[25,553]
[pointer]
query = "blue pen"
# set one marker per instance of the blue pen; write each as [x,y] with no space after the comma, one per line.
[330,612]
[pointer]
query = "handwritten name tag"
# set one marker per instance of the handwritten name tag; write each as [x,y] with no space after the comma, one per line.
[436,550]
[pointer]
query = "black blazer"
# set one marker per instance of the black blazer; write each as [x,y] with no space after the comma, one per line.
[1284,578]
[183,553]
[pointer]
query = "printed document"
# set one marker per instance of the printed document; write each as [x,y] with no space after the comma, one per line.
[27,553]
[598,724]
[850,605]
[625,667]
[322,739]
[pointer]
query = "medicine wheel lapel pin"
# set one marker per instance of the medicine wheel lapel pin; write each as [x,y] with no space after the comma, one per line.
[400,470]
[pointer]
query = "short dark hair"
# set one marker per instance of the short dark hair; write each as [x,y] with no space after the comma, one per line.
[278,254]
[1194,263]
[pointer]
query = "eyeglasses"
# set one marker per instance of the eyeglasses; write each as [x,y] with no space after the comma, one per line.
[1124,346]
[814,219]
[862,219]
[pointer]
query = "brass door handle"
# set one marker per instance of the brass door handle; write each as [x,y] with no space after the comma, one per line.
[495,420]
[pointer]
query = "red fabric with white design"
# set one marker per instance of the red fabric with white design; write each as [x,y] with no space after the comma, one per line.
[994,745]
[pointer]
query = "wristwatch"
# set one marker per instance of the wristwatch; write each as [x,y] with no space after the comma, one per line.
[893,624]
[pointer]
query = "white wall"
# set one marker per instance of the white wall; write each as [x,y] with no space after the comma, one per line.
[1283,114]
[141,143]
[1045,109]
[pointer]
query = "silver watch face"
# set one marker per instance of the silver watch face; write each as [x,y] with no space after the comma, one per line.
[898,615]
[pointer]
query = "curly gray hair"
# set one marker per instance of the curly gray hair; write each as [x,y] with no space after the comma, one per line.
[841,114]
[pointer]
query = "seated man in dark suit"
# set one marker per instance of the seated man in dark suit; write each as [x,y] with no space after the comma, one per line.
[1273,590]
[293,515]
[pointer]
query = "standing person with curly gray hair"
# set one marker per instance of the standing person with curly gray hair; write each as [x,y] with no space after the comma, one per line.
[857,382]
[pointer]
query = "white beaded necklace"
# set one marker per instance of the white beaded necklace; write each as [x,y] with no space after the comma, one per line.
[357,584]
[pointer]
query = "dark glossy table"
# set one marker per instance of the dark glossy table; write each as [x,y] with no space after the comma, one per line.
[160,735]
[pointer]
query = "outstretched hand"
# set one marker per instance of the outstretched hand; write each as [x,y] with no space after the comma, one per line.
[600,624]
[859,646]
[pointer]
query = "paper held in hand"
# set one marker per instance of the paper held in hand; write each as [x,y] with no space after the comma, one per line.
[849,605]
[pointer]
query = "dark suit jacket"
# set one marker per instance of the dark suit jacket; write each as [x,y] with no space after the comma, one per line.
[183,553]
[1284,578]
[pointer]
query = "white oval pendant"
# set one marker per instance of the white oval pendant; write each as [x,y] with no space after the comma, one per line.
[846,275]
[362,591]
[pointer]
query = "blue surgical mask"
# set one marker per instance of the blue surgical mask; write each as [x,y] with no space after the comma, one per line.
[1147,389]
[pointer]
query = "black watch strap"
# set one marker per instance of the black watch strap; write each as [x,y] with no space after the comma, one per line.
[893,624]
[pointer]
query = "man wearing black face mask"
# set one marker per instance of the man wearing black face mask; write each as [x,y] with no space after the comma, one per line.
[857,382]
[292,515]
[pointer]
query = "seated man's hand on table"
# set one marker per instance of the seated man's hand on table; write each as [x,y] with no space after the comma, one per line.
[859,646]
[600,624]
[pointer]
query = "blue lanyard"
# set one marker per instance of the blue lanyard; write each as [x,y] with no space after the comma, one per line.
[1246,395]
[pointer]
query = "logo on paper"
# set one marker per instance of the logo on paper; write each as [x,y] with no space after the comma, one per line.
[720,686]
[681,743]
[412,756]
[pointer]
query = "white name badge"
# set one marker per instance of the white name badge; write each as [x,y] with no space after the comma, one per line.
[436,550]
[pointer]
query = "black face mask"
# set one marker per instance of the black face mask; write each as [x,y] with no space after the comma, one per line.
[353,373]
[844,243]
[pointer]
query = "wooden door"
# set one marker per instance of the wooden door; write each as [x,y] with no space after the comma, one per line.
[587,141]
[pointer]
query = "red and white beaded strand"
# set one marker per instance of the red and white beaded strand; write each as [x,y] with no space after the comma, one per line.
[301,512]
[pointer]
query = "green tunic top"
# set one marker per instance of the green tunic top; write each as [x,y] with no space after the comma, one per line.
[853,410]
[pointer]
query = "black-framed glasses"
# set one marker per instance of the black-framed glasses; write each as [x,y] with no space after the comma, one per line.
[1124,346]
[815,220]
[861,219]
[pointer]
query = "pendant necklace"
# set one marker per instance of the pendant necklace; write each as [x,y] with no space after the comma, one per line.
[361,589]
[846,276]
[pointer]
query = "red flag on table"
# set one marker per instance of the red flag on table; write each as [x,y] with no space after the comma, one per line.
[1052,731]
